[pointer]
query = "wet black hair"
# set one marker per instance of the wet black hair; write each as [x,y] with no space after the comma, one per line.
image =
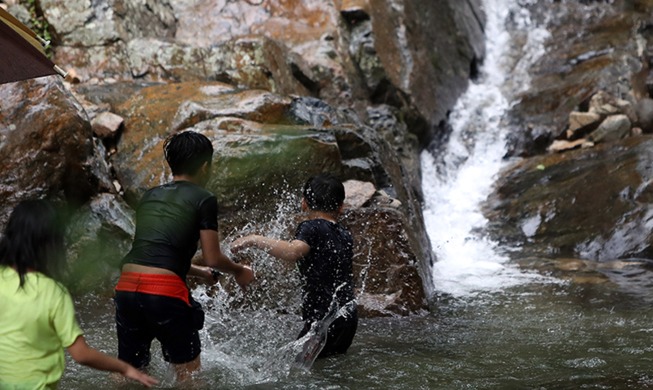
[324,192]
[187,151]
[34,239]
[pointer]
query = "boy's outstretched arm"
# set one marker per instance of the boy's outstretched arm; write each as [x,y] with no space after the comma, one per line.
[83,354]
[213,257]
[289,251]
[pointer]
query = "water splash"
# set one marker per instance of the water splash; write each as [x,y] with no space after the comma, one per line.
[251,338]
[458,176]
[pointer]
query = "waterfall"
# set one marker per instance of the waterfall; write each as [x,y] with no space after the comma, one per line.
[458,175]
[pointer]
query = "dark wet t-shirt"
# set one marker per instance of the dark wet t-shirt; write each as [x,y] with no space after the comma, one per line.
[327,266]
[168,223]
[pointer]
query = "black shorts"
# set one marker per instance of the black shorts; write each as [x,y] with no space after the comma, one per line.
[339,337]
[140,318]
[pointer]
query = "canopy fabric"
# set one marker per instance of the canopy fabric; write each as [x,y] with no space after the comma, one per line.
[21,54]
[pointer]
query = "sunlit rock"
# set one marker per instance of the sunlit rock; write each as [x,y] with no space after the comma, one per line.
[88,24]
[358,193]
[106,124]
[613,128]
[581,123]
[562,145]
[253,62]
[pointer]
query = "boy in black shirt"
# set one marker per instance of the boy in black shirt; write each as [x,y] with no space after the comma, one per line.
[323,251]
[152,299]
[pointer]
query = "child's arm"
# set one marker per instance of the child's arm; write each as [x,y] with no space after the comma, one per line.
[289,251]
[213,257]
[83,354]
[209,275]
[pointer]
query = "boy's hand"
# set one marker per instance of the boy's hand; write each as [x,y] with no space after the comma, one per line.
[207,275]
[210,276]
[244,277]
[242,243]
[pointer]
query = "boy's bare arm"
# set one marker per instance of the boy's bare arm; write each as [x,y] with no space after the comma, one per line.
[83,354]
[289,251]
[213,257]
[203,272]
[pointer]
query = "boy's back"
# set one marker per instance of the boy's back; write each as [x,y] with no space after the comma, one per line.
[323,252]
[327,267]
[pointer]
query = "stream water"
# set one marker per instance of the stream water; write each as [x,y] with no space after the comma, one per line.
[494,325]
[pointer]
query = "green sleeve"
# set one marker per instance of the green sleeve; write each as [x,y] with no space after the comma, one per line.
[64,321]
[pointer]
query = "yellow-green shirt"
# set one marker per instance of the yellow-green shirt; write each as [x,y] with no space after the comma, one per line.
[37,322]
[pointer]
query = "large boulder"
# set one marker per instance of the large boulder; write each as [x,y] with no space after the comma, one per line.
[266,147]
[428,51]
[254,62]
[385,76]
[415,55]
[99,235]
[46,146]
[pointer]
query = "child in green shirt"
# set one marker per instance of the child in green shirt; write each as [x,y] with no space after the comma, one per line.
[37,319]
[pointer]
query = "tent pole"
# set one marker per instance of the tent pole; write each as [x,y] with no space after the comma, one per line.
[61,72]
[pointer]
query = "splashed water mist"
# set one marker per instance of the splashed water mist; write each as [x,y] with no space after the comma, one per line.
[245,342]
[458,176]
[251,338]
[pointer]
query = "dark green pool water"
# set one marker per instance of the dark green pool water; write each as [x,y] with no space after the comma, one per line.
[550,335]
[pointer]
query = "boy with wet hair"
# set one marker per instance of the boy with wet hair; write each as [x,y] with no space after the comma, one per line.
[152,298]
[323,251]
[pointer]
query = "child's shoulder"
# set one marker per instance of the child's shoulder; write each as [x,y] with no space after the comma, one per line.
[36,283]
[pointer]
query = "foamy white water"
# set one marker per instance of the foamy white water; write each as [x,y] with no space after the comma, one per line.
[459,175]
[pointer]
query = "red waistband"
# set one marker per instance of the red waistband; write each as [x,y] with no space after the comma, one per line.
[156,284]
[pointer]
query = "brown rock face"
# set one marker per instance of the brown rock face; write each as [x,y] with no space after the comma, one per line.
[432,71]
[591,49]
[266,147]
[386,262]
[46,147]
[385,74]
[588,203]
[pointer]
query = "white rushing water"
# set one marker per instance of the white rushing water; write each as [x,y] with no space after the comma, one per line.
[458,176]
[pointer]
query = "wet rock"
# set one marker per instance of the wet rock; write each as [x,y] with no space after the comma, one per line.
[582,123]
[384,259]
[46,147]
[358,193]
[317,113]
[99,235]
[430,80]
[644,110]
[591,49]
[613,128]
[589,203]
[106,124]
